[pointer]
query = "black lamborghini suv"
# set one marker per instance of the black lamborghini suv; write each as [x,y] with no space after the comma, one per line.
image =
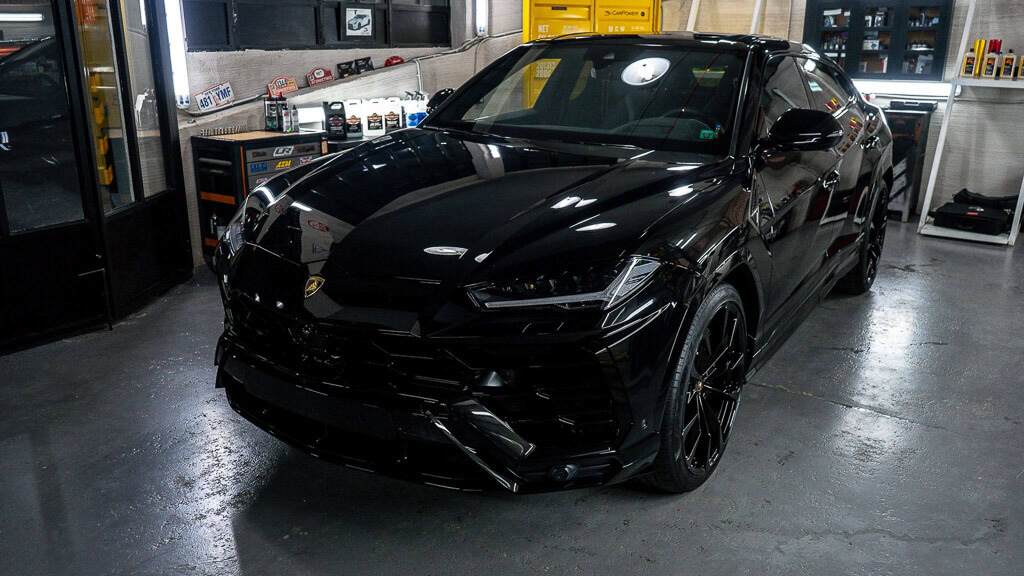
[564,276]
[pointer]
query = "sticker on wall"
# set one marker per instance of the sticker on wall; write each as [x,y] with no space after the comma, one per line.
[213,98]
[282,85]
[284,151]
[319,76]
[283,164]
[358,22]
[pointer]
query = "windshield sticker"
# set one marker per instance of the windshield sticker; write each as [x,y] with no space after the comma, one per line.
[645,71]
[707,134]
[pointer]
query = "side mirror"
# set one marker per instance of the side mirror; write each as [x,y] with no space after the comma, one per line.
[438,97]
[804,130]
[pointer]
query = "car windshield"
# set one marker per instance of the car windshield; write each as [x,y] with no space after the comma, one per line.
[653,97]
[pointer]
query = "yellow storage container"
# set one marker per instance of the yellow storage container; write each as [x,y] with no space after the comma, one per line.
[627,16]
[548,18]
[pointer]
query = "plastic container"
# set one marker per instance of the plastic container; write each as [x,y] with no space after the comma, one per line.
[394,118]
[354,118]
[373,118]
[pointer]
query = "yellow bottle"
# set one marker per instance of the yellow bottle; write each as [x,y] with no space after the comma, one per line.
[970,63]
[990,68]
[1008,66]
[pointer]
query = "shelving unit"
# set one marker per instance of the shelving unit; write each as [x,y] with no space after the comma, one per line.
[882,39]
[926,227]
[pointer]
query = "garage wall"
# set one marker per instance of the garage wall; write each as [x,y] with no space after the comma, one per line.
[250,70]
[782,18]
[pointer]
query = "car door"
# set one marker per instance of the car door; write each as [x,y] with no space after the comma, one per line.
[793,195]
[832,93]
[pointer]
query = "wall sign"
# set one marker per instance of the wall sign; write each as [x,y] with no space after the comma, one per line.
[282,85]
[319,76]
[213,98]
[358,22]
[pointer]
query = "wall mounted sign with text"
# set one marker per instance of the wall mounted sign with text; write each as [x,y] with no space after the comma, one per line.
[319,76]
[282,85]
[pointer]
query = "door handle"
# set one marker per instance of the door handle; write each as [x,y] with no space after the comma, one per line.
[831,181]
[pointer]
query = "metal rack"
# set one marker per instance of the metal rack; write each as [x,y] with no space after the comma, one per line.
[926,226]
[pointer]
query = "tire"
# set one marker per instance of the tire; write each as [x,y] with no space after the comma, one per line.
[862,276]
[704,394]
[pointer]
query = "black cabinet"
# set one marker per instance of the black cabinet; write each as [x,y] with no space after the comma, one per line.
[228,167]
[882,39]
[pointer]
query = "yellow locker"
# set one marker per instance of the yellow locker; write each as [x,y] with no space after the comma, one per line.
[627,16]
[550,18]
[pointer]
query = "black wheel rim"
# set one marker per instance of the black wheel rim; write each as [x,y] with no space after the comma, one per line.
[876,236]
[715,381]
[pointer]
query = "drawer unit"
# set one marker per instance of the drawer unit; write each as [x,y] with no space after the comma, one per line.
[228,167]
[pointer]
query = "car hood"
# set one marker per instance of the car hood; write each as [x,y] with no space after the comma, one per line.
[452,208]
[396,227]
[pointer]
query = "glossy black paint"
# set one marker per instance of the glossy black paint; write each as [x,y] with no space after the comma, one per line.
[802,130]
[391,367]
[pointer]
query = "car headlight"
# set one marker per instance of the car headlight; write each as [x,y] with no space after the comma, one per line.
[234,236]
[593,287]
[244,221]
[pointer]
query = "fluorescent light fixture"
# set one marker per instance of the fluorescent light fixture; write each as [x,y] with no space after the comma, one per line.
[179,66]
[904,88]
[20,17]
[481,17]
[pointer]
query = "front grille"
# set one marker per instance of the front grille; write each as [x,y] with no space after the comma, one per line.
[556,398]
[357,358]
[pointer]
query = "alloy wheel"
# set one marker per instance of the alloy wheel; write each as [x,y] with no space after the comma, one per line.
[713,392]
[876,237]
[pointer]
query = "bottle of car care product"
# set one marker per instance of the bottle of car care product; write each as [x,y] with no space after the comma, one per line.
[373,118]
[970,63]
[295,119]
[393,115]
[415,109]
[990,69]
[354,120]
[286,117]
[334,120]
[1008,66]
[270,113]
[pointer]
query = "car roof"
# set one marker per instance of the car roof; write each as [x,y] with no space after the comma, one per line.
[736,41]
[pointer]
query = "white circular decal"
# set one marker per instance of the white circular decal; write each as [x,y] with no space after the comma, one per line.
[645,71]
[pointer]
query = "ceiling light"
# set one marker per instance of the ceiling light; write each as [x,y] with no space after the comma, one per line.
[20,17]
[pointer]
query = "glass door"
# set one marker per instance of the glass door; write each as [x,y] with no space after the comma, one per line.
[51,269]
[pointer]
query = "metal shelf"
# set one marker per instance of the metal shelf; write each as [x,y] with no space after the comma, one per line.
[930,229]
[926,227]
[988,83]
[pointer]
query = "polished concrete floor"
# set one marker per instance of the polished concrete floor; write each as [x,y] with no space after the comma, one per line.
[887,437]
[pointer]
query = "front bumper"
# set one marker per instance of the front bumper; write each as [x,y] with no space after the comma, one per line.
[447,436]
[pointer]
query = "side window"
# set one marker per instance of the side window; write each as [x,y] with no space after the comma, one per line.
[827,87]
[783,91]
